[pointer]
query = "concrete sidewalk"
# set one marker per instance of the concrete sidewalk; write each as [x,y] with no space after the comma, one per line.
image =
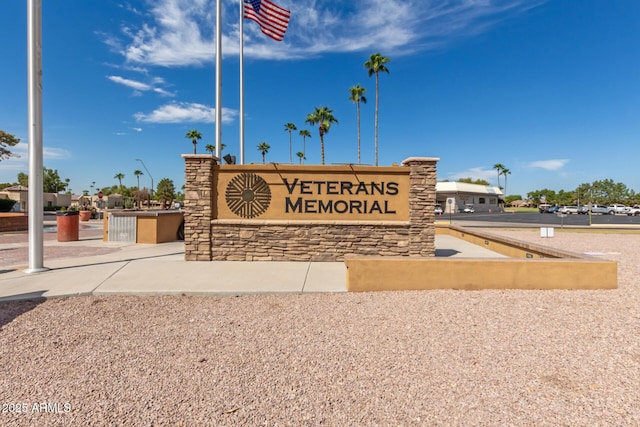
[142,269]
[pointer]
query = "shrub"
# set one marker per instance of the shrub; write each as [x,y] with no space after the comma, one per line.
[6,205]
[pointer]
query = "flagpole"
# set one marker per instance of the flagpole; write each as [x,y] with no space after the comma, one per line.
[35,197]
[218,77]
[241,82]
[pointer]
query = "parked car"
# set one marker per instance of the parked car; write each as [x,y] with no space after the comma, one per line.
[543,207]
[438,210]
[601,209]
[633,210]
[584,209]
[568,210]
[552,209]
[468,209]
[617,208]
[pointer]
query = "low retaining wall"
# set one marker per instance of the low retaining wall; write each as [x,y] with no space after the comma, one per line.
[13,222]
[508,247]
[535,267]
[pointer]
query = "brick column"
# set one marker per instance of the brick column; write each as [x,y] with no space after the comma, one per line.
[198,206]
[422,200]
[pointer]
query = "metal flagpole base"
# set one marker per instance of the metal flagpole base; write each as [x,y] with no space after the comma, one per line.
[35,270]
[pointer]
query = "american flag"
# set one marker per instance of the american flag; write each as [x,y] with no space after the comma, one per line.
[273,19]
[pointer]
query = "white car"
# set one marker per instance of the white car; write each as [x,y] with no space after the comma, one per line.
[469,209]
[617,208]
[601,209]
[568,210]
[438,210]
[633,210]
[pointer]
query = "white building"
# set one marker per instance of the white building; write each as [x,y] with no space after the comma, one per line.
[455,196]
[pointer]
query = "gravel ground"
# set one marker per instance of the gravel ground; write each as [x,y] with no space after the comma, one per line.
[534,358]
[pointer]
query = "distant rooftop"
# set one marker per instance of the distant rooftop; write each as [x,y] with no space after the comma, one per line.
[463,187]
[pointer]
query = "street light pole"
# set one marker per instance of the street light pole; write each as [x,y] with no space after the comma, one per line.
[148,173]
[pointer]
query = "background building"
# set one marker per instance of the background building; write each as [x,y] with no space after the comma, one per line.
[453,197]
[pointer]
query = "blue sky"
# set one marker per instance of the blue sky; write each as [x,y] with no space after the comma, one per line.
[550,89]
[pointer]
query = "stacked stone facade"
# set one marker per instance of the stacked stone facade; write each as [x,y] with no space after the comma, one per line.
[198,206]
[208,238]
[422,201]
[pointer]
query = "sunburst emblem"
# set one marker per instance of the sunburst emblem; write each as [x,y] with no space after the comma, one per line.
[248,195]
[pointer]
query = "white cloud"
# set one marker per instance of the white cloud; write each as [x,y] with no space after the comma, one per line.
[20,163]
[140,87]
[163,92]
[137,129]
[181,32]
[552,165]
[185,113]
[130,83]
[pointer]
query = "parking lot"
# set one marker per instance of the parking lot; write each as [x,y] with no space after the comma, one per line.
[535,219]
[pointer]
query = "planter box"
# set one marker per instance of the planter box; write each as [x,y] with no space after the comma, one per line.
[85,215]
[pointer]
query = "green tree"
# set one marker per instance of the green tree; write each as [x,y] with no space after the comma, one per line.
[356,95]
[194,136]
[119,176]
[375,65]
[263,147]
[290,127]
[476,181]
[166,192]
[300,155]
[543,196]
[510,199]
[23,179]
[304,134]
[607,191]
[323,117]
[51,181]
[7,140]
[499,167]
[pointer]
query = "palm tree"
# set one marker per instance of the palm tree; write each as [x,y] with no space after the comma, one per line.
[212,148]
[499,167]
[304,134]
[194,136]
[137,173]
[300,155]
[263,147]
[323,117]
[288,127]
[374,65]
[357,96]
[505,172]
[119,177]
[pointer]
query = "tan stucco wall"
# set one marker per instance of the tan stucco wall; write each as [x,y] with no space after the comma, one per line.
[158,228]
[394,274]
[531,266]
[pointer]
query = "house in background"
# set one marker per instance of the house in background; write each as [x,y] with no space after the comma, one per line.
[452,197]
[19,194]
